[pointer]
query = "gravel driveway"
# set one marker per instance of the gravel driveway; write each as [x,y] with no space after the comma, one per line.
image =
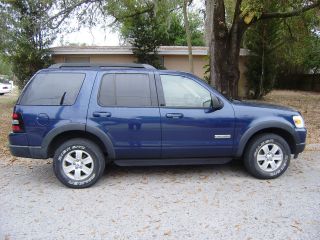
[196,202]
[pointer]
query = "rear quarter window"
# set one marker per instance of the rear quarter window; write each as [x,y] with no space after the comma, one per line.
[52,89]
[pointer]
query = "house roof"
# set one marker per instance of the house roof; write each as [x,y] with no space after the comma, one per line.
[126,50]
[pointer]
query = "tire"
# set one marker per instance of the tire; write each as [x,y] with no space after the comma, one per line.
[267,156]
[78,163]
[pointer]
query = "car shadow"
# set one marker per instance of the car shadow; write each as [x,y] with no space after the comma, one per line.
[234,167]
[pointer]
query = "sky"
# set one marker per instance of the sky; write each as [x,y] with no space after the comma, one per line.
[95,36]
[98,36]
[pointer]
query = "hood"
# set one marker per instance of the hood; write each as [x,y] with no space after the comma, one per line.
[262,105]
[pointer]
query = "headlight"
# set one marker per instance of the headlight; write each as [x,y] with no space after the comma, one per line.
[298,121]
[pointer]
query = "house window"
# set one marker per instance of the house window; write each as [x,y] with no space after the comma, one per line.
[76,59]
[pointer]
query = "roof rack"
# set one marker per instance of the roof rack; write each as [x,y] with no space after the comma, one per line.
[101,65]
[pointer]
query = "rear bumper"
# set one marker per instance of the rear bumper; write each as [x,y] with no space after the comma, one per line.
[18,145]
[3,91]
[27,152]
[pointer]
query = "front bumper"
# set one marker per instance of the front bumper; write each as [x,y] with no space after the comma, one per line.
[300,139]
[299,149]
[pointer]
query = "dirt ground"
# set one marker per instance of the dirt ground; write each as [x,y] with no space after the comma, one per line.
[308,103]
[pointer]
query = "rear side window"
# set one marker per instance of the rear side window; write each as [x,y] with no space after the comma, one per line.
[53,89]
[130,90]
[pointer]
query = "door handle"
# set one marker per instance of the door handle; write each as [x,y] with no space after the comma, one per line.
[101,114]
[174,115]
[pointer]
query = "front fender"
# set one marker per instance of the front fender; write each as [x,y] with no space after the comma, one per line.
[259,126]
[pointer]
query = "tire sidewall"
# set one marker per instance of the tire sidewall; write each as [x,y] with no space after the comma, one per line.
[268,139]
[58,162]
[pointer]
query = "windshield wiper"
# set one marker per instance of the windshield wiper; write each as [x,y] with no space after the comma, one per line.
[62,98]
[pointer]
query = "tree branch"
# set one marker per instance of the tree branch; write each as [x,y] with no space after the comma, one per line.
[118,19]
[65,12]
[289,14]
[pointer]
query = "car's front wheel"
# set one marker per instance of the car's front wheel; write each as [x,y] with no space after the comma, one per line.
[267,156]
[78,163]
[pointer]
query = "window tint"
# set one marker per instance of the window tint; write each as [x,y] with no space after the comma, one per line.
[183,92]
[131,90]
[53,89]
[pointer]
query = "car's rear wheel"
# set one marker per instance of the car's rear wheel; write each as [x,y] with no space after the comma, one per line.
[78,163]
[267,156]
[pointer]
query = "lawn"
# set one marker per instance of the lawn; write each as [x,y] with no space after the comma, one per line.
[306,102]
[7,102]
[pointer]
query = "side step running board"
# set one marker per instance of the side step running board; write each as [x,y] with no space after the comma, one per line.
[169,162]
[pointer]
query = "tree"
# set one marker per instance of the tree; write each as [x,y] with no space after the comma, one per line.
[176,33]
[143,25]
[28,30]
[262,39]
[5,69]
[301,54]
[24,40]
[225,41]
[147,25]
[145,35]
[280,48]
[188,32]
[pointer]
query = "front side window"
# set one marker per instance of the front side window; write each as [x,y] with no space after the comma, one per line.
[53,89]
[126,90]
[183,92]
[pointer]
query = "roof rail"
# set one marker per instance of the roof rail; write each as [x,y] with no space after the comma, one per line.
[101,65]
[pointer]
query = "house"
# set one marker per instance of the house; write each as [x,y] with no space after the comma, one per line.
[172,57]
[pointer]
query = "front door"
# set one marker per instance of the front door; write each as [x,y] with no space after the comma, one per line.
[124,105]
[189,130]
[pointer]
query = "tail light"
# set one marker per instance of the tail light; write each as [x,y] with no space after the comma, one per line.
[17,123]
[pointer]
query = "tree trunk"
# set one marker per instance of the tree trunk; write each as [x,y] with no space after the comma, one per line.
[217,45]
[188,33]
[208,21]
[225,50]
[261,88]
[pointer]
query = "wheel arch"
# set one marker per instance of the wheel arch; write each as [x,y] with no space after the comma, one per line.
[64,133]
[286,132]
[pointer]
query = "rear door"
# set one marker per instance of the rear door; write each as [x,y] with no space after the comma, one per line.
[124,106]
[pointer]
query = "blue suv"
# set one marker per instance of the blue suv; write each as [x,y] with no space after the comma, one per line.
[86,116]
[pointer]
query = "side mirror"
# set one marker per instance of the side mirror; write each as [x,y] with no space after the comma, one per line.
[216,104]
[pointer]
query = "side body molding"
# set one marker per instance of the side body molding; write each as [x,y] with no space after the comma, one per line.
[258,126]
